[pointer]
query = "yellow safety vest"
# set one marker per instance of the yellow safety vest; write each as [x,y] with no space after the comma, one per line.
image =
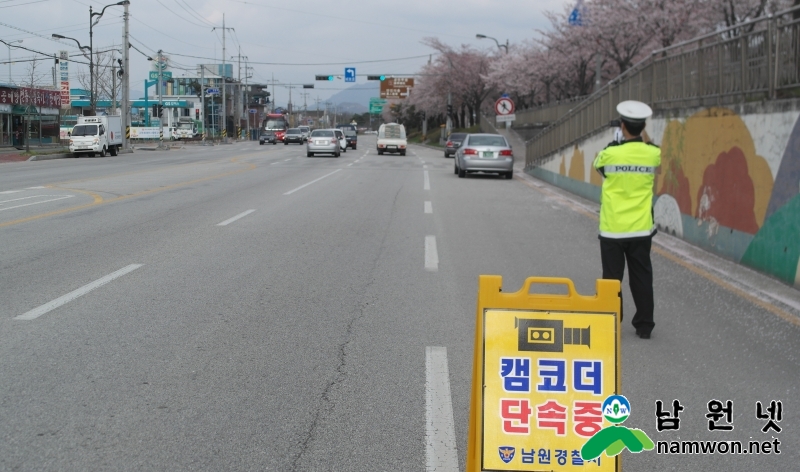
[626,201]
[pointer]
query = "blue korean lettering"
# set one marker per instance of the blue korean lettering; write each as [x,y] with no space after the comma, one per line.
[516,374]
[587,376]
[554,375]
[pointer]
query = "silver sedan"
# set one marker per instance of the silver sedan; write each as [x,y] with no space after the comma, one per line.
[323,141]
[489,153]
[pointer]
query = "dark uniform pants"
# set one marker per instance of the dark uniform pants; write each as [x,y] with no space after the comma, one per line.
[614,253]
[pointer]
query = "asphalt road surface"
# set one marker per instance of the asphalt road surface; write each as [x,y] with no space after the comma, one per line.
[244,307]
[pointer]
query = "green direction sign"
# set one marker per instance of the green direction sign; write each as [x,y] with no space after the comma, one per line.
[376,105]
[166,74]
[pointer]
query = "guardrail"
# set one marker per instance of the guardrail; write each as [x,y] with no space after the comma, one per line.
[752,61]
[547,113]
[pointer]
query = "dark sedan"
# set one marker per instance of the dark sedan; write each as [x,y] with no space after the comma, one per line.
[294,135]
[453,142]
[267,137]
[351,137]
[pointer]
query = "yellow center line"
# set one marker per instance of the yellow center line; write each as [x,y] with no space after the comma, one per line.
[100,200]
[783,314]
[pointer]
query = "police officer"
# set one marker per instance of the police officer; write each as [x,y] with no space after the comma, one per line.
[626,210]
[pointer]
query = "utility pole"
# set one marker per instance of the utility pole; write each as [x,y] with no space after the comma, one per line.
[161,98]
[203,99]
[126,111]
[224,84]
[113,81]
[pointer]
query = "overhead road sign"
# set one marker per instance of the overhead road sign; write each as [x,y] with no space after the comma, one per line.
[164,73]
[212,91]
[543,365]
[396,87]
[349,74]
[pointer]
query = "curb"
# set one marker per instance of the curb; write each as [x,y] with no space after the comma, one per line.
[47,157]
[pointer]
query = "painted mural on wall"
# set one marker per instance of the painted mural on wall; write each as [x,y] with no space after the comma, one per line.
[728,182]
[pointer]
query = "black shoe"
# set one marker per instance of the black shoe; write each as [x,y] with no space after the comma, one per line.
[643,335]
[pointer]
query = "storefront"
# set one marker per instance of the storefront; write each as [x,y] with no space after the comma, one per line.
[34,109]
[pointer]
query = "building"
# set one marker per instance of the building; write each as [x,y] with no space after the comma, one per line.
[34,107]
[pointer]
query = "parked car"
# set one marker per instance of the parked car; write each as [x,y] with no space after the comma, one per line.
[392,138]
[351,137]
[323,141]
[267,137]
[340,136]
[485,153]
[453,142]
[293,135]
[306,131]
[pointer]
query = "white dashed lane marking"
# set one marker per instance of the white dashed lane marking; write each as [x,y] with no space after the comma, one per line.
[37,312]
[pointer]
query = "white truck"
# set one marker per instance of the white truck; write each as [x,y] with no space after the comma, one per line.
[96,135]
[187,128]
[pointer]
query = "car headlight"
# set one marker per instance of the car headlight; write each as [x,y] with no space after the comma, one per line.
[96,141]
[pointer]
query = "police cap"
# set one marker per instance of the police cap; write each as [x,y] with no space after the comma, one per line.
[634,111]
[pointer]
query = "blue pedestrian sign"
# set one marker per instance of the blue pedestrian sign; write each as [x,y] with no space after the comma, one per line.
[349,74]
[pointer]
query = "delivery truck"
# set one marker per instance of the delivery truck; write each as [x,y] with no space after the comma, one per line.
[96,135]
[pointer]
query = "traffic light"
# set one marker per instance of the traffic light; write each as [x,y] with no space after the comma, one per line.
[376,77]
[308,85]
[449,110]
[197,114]
[324,77]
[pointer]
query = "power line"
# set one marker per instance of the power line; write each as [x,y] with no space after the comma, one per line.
[181,4]
[317,64]
[181,17]
[168,36]
[20,4]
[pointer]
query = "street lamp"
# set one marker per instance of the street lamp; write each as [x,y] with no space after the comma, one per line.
[483,36]
[92,98]
[9,43]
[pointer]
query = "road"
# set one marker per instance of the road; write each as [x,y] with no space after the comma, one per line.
[244,307]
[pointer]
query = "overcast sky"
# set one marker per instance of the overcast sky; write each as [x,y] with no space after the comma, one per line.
[304,34]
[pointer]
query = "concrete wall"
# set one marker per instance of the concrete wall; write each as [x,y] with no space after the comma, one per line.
[729,180]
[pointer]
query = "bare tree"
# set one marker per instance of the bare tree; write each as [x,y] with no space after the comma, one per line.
[106,86]
[33,78]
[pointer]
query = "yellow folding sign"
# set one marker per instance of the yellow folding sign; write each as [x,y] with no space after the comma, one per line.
[543,365]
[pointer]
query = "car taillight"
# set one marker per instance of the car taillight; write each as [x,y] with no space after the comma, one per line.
[470,151]
[380,145]
[506,152]
[449,143]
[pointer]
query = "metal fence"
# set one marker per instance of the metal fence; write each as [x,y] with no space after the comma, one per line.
[753,61]
[547,113]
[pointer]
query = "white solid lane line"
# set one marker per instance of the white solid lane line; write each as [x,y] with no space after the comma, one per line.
[313,181]
[427,181]
[231,220]
[37,312]
[441,452]
[428,207]
[9,191]
[431,255]
[60,197]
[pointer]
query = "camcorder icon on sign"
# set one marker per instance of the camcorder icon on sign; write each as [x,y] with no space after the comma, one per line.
[549,335]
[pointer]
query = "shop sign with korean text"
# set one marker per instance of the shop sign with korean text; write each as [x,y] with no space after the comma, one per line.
[542,368]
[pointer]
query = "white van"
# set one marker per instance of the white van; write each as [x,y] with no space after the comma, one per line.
[392,138]
[96,135]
